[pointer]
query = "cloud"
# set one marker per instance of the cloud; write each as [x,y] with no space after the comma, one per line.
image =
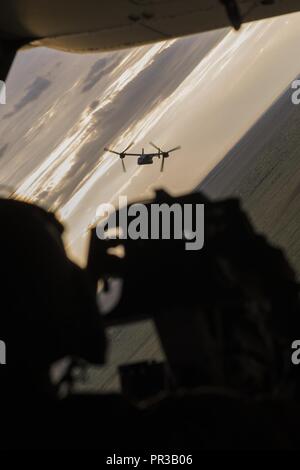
[3,149]
[98,70]
[33,92]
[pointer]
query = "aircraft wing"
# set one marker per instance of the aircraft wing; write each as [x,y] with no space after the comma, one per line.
[157,154]
[93,25]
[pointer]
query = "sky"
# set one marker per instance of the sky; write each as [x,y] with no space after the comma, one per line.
[201,92]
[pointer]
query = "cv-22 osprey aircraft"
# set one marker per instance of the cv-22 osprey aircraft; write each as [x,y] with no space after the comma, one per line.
[144,158]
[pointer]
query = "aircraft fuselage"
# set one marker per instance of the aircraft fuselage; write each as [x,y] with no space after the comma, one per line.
[145,160]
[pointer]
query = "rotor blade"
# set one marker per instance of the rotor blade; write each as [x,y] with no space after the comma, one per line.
[162,164]
[155,146]
[112,151]
[128,147]
[173,150]
[123,165]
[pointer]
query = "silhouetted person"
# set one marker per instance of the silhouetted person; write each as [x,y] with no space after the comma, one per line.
[48,309]
[48,312]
